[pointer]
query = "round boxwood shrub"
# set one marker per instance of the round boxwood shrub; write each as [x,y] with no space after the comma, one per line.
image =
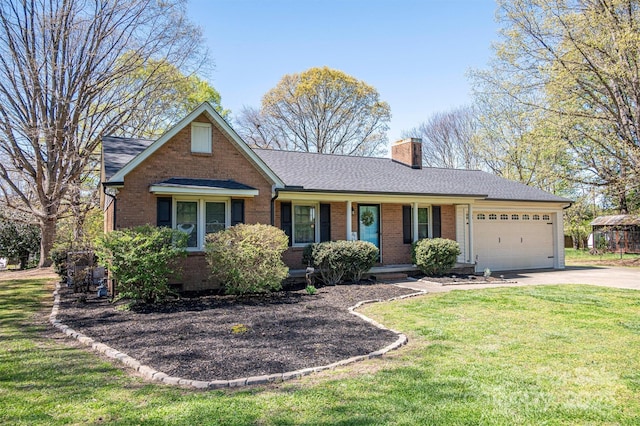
[338,260]
[435,256]
[248,258]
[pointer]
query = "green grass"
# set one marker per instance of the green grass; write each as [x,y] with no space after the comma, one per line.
[575,257]
[532,355]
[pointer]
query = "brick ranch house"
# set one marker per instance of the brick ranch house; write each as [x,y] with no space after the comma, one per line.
[200,177]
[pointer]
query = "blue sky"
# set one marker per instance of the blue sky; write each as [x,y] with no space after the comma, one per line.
[415,53]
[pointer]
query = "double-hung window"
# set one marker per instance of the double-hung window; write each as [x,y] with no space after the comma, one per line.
[304,224]
[200,217]
[423,222]
[408,223]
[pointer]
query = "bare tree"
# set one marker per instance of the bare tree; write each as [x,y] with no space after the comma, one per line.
[256,131]
[580,59]
[67,77]
[319,110]
[448,139]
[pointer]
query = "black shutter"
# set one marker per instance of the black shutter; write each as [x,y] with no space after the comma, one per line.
[325,222]
[164,211]
[285,219]
[437,223]
[407,222]
[237,212]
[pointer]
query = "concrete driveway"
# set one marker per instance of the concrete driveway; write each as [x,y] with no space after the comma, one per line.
[628,278]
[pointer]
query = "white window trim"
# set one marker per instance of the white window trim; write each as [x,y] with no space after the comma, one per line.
[415,220]
[202,210]
[429,219]
[316,228]
[206,126]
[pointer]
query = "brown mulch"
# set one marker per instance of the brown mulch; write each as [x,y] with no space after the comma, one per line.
[194,338]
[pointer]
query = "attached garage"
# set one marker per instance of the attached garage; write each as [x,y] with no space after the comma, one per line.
[508,240]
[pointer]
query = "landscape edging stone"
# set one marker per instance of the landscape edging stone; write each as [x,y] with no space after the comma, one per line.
[152,374]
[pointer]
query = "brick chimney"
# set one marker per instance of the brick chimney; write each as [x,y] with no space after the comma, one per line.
[408,152]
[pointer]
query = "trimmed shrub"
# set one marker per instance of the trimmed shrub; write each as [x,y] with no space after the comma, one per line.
[435,256]
[336,260]
[141,260]
[362,258]
[59,257]
[248,258]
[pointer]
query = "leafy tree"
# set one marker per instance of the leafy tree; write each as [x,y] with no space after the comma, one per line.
[449,139]
[319,110]
[574,62]
[577,219]
[18,239]
[67,77]
[184,95]
[512,139]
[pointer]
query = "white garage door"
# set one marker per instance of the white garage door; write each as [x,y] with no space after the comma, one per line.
[504,241]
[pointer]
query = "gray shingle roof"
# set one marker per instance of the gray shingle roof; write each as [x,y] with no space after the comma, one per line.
[341,173]
[322,172]
[117,152]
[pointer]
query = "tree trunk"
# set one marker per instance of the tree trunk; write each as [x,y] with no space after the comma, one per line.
[48,236]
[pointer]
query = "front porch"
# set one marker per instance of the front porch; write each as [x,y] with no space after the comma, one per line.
[387,272]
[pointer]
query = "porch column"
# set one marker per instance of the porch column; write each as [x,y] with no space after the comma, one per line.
[414,221]
[470,219]
[349,207]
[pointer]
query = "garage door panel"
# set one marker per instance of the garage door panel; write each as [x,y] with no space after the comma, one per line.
[512,243]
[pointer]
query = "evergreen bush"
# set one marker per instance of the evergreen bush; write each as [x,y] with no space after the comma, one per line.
[248,258]
[141,260]
[336,260]
[435,256]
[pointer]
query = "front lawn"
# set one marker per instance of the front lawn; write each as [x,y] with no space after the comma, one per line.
[531,355]
[575,257]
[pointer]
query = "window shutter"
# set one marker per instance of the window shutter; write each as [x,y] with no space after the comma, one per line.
[437,223]
[285,219]
[164,211]
[407,222]
[325,222]
[237,212]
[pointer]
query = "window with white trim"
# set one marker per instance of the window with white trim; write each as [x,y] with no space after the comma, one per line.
[545,217]
[187,221]
[201,138]
[525,217]
[423,222]
[492,216]
[304,224]
[480,216]
[504,217]
[199,217]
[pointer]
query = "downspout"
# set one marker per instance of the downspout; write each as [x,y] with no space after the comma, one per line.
[273,206]
[112,195]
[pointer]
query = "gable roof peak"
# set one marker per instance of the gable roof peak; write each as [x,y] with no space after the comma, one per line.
[220,123]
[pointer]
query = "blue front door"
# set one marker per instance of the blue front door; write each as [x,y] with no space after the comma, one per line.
[369,224]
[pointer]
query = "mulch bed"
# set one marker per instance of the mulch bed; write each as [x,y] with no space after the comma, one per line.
[451,279]
[203,338]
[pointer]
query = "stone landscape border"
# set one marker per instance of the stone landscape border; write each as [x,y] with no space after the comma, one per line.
[152,374]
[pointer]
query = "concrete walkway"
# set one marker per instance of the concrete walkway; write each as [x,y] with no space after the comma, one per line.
[628,278]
